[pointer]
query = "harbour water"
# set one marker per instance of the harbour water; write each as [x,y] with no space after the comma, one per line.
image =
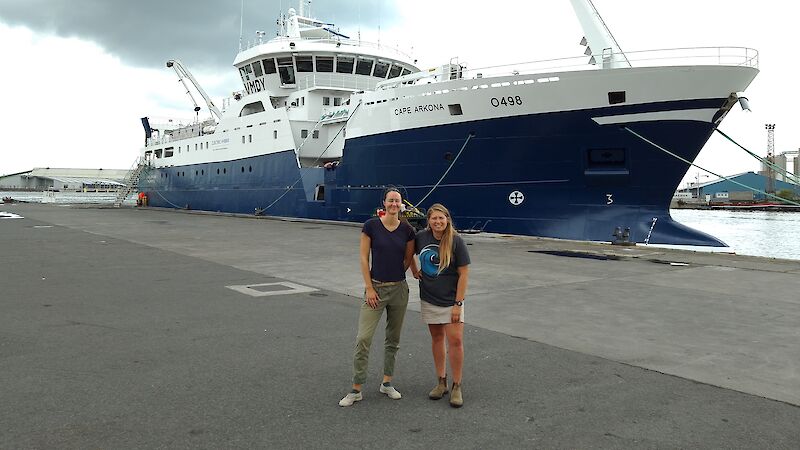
[756,233]
[66,197]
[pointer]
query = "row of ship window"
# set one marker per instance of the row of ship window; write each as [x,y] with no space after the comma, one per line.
[248,139]
[203,172]
[287,66]
[326,101]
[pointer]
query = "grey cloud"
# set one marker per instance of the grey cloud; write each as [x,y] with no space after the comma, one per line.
[204,34]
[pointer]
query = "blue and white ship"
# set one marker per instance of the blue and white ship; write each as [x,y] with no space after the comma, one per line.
[554,148]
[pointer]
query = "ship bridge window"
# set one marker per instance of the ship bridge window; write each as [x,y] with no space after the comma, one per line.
[252,108]
[168,152]
[364,66]
[324,64]
[304,63]
[380,69]
[405,72]
[394,72]
[257,69]
[269,65]
[326,101]
[248,72]
[286,70]
[344,64]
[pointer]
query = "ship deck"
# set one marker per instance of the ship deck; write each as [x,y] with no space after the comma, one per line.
[142,328]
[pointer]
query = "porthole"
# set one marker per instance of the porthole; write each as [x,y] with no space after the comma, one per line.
[250,169]
[217,171]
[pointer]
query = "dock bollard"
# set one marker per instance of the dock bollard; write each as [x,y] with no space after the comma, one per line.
[622,237]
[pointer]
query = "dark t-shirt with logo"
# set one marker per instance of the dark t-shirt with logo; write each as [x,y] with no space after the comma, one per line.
[439,289]
[388,249]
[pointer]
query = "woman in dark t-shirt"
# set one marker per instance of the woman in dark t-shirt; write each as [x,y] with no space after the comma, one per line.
[443,276]
[390,242]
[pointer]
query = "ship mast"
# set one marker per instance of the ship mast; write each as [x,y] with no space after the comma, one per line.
[600,43]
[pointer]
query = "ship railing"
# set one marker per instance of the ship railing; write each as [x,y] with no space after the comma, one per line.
[341,81]
[689,56]
[339,42]
[180,132]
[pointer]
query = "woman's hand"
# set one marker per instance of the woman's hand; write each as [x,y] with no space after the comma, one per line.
[372,298]
[455,314]
[416,273]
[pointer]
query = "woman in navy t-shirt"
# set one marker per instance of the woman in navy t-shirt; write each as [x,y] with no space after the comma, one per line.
[390,241]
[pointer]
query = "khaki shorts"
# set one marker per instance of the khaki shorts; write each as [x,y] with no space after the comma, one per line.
[437,315]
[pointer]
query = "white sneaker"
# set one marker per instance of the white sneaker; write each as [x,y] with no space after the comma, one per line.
[390,391]
[350,398]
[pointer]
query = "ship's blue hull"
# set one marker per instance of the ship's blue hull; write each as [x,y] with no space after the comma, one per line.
[579,180]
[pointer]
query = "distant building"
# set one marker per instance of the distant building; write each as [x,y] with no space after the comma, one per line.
[726,191]
[797,166]
[780,161]
[42,179]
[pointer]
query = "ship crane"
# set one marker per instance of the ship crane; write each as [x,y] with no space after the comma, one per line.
[183,74]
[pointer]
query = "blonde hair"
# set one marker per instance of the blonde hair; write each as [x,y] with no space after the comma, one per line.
[446,243]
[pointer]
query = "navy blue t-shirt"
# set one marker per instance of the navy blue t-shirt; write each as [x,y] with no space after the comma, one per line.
[388,249]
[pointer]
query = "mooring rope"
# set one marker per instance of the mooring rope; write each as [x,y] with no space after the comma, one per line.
[260,211]
[774,166]
[167,200]
[706,170]
[470,136]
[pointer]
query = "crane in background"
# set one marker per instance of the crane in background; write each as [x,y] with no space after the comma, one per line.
[770,188]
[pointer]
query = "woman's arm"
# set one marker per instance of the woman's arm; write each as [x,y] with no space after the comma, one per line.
[409,260]
[461,292]
[369,291]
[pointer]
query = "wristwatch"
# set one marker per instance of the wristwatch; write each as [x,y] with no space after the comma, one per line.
[459,303]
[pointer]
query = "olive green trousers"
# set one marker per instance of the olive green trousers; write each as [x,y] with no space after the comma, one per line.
[393,299]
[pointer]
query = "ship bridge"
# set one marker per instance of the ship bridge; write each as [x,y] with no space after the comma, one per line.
[310,53]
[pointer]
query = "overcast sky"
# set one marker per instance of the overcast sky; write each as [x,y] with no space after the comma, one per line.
[77,75]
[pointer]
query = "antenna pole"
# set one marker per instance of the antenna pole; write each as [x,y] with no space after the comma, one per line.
[241,23]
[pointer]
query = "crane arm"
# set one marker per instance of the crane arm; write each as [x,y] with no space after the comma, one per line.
[183,74]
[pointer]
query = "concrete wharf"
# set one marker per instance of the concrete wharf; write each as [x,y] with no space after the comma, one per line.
[147,328]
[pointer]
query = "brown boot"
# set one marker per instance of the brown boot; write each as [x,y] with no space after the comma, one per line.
[440,389]
[456,401]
